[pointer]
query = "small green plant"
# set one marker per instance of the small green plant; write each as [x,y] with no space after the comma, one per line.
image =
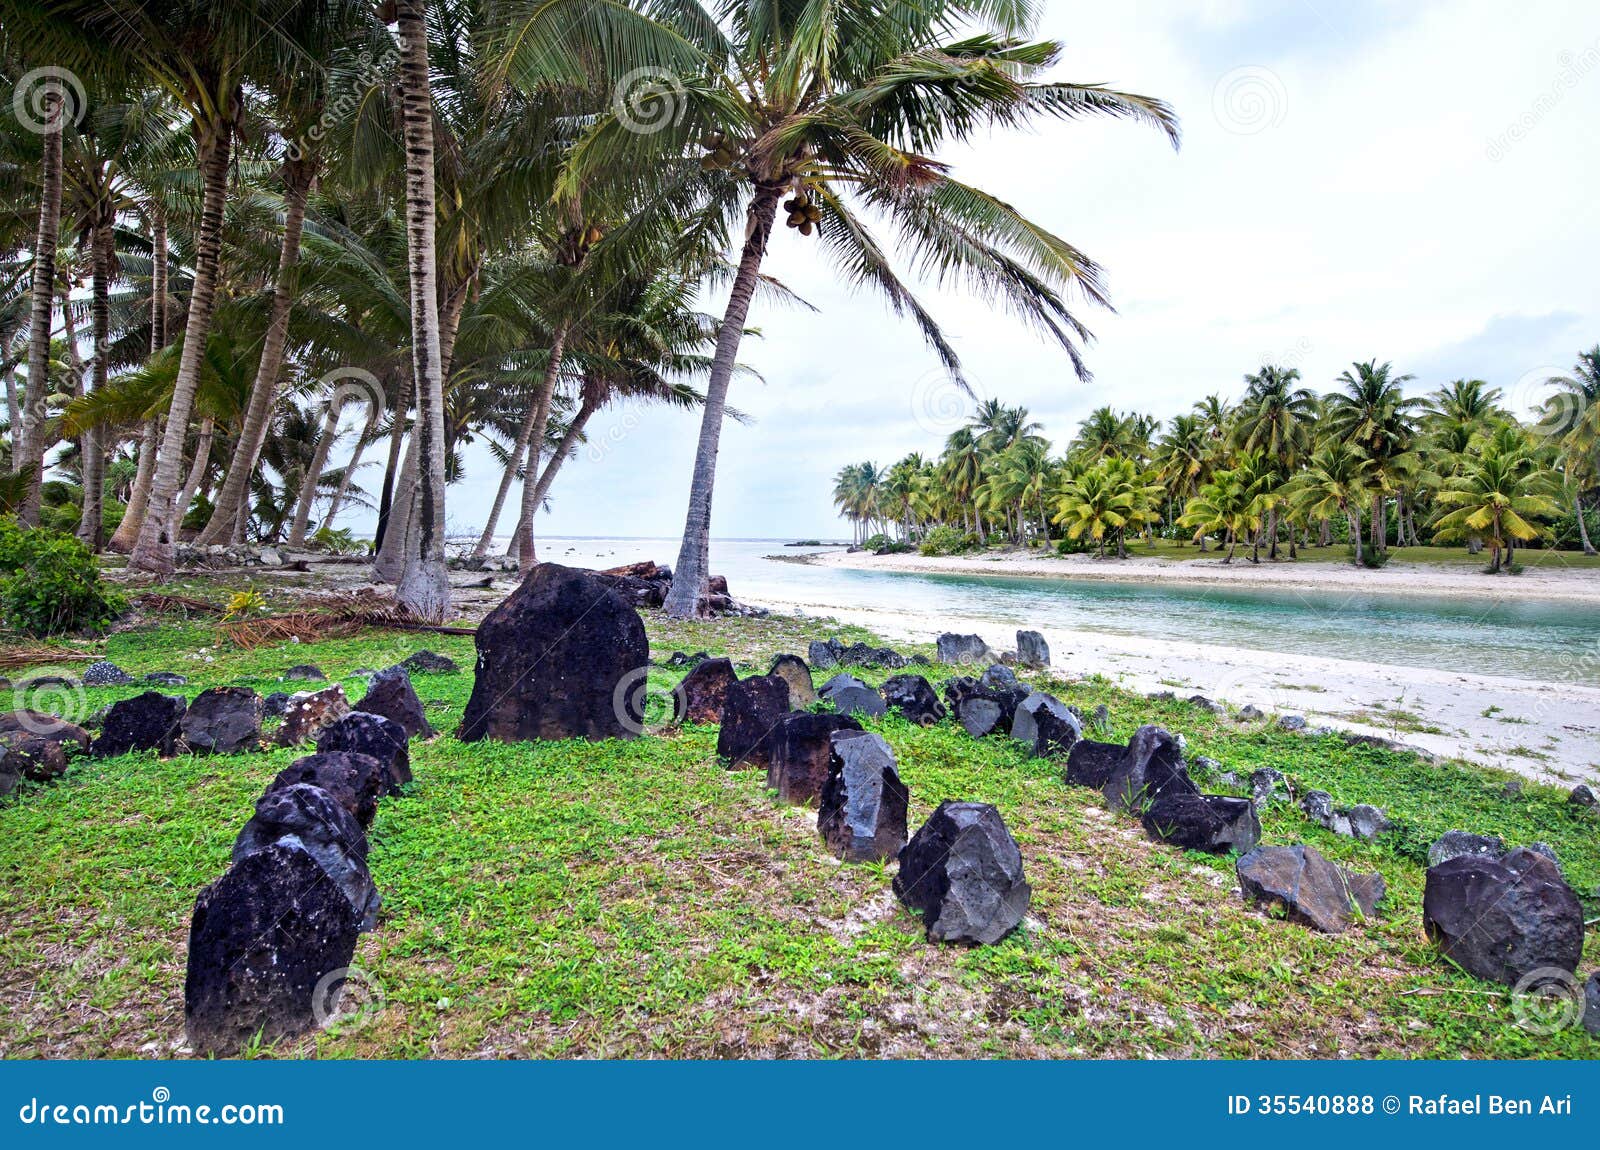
[242,603]
[943,541]
[49,583]
[337,541]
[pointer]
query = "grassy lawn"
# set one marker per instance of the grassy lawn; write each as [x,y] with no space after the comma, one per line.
[637,899]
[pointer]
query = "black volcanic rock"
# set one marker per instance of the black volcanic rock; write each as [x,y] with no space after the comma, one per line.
[1503,918]
[862,812]
[362,733]
[552,660]
[750,719]
[263,936]
[963,871]
[144,722]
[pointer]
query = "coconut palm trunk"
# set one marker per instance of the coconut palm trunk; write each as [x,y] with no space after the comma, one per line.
[313,475]
[32,438]
[527,556]
[692,571]
[424,587]
[298,176]
[153,552]
[1354,521]
[1583,528]
[343,490]
[90,526]
[197,471]
[127,532]
[513,465]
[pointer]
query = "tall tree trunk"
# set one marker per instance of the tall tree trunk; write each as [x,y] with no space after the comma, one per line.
[527,557]
[693,569]
[127,532]
[1272,533]
[34,411]
[153,552]
[319,461]
[402,494]
[1354,519]
[513,465]
[559,456]
[103,243]
[424,587]
[1583,528]
[298,176]
[197,471]
[397,438]
[350,470]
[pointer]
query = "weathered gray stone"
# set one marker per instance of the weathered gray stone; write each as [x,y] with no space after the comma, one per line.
[750,718]
[961,649]
[792,670]
[979,715]
[1456,844]
[361,733]
[914,698]
[862,812]
[1091,763]
[307,712]
[390,694]
[142,723]
[962,870]
[1310,889]
[1502,918]
[1032,650]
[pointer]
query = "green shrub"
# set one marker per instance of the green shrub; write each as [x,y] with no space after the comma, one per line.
[337,541]
[945,541]
[49,583]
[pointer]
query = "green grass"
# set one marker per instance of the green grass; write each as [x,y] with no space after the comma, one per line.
[637,899]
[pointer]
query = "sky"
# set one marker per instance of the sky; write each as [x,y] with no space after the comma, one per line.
[1410,182]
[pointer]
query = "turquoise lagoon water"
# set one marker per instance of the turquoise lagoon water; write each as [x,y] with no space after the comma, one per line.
[1496,633]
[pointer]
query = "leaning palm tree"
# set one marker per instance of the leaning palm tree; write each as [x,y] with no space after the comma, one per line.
[1334,482]
[828,107]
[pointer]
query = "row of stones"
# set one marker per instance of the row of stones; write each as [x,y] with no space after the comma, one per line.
[271,940]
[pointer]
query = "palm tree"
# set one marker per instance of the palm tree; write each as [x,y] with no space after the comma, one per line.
[1373,415]
[827,102]
[1573,415]
[1275,418]
[424,587]
[1105,434]
[1181,459]
[1230,504]
[28,461]
[1334,482]
[1501,487]
[1105,501]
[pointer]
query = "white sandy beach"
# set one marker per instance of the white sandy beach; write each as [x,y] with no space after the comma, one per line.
[1541,729]
[1536,582]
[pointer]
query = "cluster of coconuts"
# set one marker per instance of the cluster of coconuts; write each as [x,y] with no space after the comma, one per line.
[575,243]
[803,214]
[719,152]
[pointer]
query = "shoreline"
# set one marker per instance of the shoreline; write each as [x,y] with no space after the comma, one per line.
[1533,583]
[1543,729]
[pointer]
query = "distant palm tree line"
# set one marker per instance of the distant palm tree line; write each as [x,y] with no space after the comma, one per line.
[1364,464]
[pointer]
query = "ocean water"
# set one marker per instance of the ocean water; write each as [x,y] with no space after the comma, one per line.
[1491,634]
